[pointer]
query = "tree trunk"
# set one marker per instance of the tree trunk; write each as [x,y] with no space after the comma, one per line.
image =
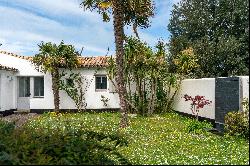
[55,88]
[151,107]
[119,39]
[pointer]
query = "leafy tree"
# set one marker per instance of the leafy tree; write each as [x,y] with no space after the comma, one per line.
[51,58]
[124,12]
[151,87]
[217,30]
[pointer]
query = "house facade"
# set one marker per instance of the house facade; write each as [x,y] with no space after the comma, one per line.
[22,87]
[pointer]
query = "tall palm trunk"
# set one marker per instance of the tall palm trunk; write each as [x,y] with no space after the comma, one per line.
[55,88]
[119,38]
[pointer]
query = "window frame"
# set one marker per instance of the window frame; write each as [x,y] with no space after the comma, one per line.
[39,88]
[101,76]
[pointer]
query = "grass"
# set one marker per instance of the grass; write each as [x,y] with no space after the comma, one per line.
[161,139]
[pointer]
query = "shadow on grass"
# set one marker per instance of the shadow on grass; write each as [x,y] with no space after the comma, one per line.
[27,147]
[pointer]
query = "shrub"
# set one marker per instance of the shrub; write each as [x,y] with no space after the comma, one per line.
[237,123]
[197,126]
[197,103]
[6,128]
[62,139]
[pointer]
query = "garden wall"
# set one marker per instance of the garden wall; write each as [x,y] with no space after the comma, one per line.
[226,95]
[192,87]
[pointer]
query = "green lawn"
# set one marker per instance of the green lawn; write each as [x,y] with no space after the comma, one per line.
[95,139]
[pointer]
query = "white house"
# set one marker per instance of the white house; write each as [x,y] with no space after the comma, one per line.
[22,87]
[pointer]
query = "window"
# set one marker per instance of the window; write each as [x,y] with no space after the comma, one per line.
[24,86]
[101,83]
[38,86]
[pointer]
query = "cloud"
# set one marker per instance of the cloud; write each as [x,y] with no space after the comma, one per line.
[25,23]
[31,29]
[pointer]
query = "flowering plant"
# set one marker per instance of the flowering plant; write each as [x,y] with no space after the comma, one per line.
[197,103]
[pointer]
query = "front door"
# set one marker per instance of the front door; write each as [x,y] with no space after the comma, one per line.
[23,100]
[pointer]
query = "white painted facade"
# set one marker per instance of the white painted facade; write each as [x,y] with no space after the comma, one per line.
[8,90]
[9,94]
[93,97]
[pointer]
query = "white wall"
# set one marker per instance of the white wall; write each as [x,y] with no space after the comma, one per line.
[7,90]
[93,98]
[192,87]
[244,89]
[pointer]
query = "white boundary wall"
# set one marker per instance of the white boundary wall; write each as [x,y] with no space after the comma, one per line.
[192,87]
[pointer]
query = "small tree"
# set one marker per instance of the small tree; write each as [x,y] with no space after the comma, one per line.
[51,58]
[198,102]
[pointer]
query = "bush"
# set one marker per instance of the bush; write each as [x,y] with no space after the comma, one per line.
[62,139]
[6,128]
[197,127]
[237,124]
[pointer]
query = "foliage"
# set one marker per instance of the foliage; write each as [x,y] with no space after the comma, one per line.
[237,123]
[60,139]
[186,62]
[245,104]
[217,30]
[197,126]
[51,58]
[148,82]
[124,12]
[6,128]
[91,138]
[197,103]
[136,12]
[104,100]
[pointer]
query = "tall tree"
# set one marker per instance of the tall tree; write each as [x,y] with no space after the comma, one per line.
[124,12]
[51,58]
[217,30]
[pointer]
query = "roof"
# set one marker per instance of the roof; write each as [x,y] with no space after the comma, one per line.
[85,62]
[7,68]
[15,55]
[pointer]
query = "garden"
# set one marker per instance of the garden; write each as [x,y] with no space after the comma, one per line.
[95,138]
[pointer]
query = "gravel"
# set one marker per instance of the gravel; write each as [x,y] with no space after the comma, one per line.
[19,119]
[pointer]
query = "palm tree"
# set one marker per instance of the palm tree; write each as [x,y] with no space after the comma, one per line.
[51,58]
[124,12]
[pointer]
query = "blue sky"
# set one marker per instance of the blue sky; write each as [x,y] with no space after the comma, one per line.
[25,23]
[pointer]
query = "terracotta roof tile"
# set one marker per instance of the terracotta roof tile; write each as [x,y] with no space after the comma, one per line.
[99,61]
[7,68]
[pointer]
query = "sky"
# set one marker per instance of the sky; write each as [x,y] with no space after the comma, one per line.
[26,23]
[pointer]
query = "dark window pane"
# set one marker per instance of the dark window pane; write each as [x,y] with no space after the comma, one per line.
[101,82]
[38,86]
[104,82]
[24,86]
[21,87]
